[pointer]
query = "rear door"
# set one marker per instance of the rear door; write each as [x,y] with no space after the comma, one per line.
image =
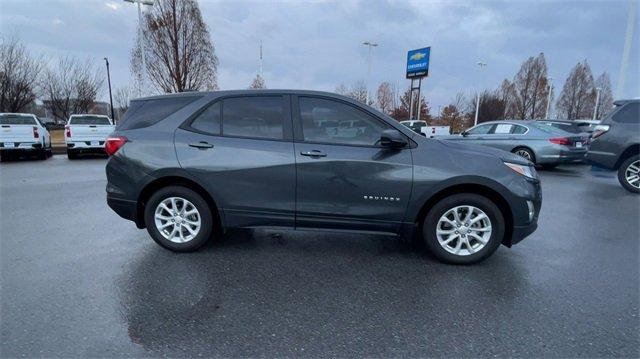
[241,149]
[345,180]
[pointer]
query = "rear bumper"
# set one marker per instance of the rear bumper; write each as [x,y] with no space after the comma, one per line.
[21,146]
[563,157]
[86,146]
[602,159]
[124,208]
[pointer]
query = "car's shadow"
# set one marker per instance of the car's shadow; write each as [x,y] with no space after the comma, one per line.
[267,293]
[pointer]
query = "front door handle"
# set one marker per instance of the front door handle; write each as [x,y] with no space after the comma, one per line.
[203,145]
[314,153]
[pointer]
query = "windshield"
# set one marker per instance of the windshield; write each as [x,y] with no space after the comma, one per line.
[16,120]
[89,120]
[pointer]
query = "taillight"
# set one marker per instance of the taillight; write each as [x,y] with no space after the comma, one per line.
[599,131]
[560,141]
[35,132]
[68,131]
[113,144]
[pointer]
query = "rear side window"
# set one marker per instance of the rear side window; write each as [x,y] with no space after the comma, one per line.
[209,120]
[89,120]
[518,130]
[502,128]
[253,116]
[628,114]
[17,120]
[144,113]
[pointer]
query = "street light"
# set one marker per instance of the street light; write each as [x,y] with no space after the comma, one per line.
[549,87]
[595,109]
[369,45]
[144,59]
[113,118]
[475,121]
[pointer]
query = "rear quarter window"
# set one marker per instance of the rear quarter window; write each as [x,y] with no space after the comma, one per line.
[17,120]
[630,113]
[144,113]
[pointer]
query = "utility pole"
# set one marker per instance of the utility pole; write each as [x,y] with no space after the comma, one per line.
[113,118]
[475,121]
[624,62]
[595,109]
[261,75]
[140,45]
[550,87]
[370,45]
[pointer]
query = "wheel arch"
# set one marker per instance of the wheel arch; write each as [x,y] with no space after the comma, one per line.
[628,152]
[176,180]
[475,188]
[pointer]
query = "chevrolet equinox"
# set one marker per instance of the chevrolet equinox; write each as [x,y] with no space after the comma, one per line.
[190,166]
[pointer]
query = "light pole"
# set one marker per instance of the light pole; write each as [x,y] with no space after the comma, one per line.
[369,44]
[144,59]
[475,121]
[550,86]
[595,109]
[113,118]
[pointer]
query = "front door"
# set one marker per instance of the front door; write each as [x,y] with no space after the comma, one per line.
[345,179]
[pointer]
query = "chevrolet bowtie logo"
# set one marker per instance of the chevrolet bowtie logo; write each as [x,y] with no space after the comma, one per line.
[382,198]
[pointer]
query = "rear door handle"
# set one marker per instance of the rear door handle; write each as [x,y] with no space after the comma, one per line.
[314,153]
[203,145]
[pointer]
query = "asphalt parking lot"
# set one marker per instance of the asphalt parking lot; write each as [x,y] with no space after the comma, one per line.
[79,281]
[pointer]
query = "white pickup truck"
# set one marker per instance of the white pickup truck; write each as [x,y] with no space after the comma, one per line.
[86,133]
[423,128]
[23,133]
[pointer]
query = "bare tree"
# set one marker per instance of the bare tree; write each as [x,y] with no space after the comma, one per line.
[341,90]
[179,53]
[358,91]
[384,96]
[72,86]
[121,99]
[578,94]
[258,83]
[605,102]
[527,94]
[20,76]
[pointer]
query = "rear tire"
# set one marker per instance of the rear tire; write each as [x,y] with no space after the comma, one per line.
[170,230]
[549,166]
[481,237]
[629,174]
[525,153]
[42,154]
[71,154]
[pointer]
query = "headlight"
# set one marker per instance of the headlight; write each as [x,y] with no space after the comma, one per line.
[527,171]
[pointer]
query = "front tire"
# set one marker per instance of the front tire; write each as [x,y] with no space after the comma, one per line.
[463,228]
[629,174]
[178,219]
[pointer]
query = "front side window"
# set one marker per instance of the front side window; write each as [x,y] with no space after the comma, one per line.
[329,121]
[254,116]
[209,120]
[628,114]
[480,130]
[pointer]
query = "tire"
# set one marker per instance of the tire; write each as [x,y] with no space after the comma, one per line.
[202,234]
[629,170]
[71,154]
[42,154]
[549,166]
[525,153]
[478,250]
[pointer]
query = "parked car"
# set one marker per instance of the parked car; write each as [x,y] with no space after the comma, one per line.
[616,143]
[423,128]
[87,134]
[544,145]
[23,133]
[192,165]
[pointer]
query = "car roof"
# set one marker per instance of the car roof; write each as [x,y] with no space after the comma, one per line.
[244,92]
[88,115]
[622,102]
[17,114]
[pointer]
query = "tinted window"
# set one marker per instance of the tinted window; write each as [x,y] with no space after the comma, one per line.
[518,130]
[253,116]
[17,120]
[209,120]
[329,121]
[566,127]
[480,130]
[630,113]
[144,113]
[545,127]
[89,120]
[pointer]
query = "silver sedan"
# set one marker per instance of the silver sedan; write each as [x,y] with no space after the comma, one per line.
[544,145]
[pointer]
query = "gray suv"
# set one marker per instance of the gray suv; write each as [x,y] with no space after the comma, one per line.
[616,143]
[191,166]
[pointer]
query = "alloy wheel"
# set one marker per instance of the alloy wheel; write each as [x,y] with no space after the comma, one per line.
[632,174]
[463,230]
[524,154]
[177,219]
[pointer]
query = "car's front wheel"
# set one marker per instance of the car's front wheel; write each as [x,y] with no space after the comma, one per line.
[178,219]
[463,228]
[629,174]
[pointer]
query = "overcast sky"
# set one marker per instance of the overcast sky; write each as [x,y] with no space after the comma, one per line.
[318,45]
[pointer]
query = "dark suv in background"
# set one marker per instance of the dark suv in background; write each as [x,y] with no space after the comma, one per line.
[616,143]
[190,166]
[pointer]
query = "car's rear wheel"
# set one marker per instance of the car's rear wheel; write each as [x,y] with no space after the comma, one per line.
[71,154]
[178,219]
[629,174]
[525,153]
[463,228]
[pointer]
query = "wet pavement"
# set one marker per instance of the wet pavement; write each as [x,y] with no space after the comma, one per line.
[78,281]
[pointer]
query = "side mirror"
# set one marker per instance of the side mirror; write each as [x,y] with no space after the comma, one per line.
[392,139]
[464,133]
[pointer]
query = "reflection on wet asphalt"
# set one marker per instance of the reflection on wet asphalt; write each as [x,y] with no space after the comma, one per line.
[79,281]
